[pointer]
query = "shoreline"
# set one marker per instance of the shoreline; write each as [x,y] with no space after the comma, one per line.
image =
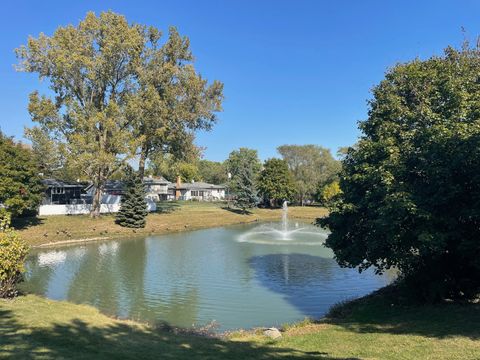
[59,230]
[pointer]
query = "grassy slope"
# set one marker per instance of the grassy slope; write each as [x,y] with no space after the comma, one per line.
[175,217]
[35,328]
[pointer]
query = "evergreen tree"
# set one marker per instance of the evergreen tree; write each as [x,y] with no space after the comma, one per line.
[245,189]
[133,210]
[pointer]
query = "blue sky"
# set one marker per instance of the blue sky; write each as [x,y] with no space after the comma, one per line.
[295,72]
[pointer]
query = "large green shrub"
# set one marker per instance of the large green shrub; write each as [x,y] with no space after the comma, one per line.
[13,252]
[20,188]
[411,186]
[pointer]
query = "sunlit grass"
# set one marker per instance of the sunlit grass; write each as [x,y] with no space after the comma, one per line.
[174,216]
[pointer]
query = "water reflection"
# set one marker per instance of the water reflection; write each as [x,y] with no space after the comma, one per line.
[311,283]
[196,277]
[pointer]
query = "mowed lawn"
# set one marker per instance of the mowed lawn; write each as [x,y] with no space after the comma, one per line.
[35,328]
[171,217]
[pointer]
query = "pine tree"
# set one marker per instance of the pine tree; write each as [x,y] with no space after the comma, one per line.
[133,209]
[245,189]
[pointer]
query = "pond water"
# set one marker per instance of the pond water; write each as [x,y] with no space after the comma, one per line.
[239,277]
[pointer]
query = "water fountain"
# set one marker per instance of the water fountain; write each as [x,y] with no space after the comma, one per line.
[274,233]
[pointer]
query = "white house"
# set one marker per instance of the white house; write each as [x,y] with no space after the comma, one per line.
[157,188]
[197,191]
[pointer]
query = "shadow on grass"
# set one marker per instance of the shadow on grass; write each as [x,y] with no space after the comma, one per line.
[385,311]
[77,340]
[22,223]
[236,211]
[166,207]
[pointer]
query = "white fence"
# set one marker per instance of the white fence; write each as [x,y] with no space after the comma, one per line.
[110,204]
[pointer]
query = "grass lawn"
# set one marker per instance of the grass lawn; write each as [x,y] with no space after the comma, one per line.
[172,216]
[372,328]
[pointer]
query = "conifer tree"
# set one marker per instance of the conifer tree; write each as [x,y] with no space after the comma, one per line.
[133,209]
[245,188]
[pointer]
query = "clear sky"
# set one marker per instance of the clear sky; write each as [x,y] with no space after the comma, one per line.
[295,72]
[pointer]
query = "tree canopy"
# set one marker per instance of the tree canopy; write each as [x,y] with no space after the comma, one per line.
[20,187]
[212,172]
[240,159]
[119,93]
[276,182]
[312,166]
[411,185]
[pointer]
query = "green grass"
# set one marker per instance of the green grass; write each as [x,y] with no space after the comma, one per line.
[375,327]
[172,217]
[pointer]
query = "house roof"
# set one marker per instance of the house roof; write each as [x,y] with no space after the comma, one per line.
[196,186]
[155,180]
[59,183]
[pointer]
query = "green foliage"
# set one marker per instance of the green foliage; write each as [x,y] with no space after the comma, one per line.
[411,186]
[329,192]
[276,182]
[170,167]
[20,186]
[212,172]
[244,167]
[244,183]
[133,209]
[238,159]
[13,252]
[312,166]
[118,92]
[91,68]
[173,100]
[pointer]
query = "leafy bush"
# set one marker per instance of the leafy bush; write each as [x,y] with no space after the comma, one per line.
[329,192]
[13,252]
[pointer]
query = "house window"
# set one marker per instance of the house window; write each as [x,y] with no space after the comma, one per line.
[58,190]
[194,193]
[200,193]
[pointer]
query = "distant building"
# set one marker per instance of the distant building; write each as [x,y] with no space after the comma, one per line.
[157,188]
[59,192]
[196,191]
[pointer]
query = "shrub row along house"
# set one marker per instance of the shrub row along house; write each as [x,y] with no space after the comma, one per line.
[73,198]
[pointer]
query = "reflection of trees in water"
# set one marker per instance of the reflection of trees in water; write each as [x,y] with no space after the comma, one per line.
[37,277]
[130,274]
[95,281]
[292,271]
[311,283]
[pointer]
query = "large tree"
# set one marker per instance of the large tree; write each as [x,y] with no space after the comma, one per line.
[237,161]
[20,187]
[312,166]
[276,182]
[246,193]
[173,100]
[212,172]
[411,186]
[91,69]
[118,93]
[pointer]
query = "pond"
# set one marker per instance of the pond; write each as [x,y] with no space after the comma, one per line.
[240,276]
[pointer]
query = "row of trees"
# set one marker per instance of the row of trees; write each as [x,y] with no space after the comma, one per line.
[303,173]
[119,93]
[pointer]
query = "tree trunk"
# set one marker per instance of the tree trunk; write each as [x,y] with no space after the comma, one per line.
[141,163]
[97,198]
